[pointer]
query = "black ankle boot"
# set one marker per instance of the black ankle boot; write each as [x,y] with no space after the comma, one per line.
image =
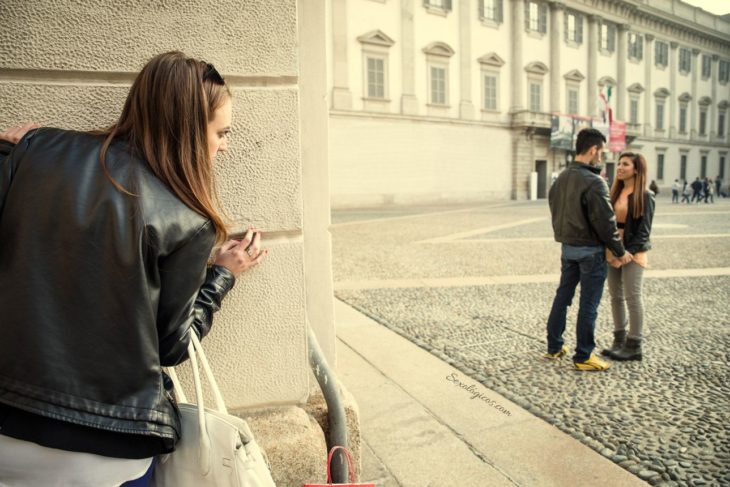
[619,340]
[630,351]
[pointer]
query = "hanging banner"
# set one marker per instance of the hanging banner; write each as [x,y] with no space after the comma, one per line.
[580,124]
[602,127]
[617,140]
[561,132]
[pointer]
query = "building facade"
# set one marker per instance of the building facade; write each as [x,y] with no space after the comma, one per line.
[452,100]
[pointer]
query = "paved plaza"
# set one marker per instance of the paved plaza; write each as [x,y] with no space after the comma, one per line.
[473,286]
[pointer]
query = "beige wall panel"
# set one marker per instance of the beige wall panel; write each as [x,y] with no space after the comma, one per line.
[119,35]
[64,106]
[257,346]
[259,176]
[403,161]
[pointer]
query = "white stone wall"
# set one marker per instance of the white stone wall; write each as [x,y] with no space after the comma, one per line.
[666,20]
[70,64]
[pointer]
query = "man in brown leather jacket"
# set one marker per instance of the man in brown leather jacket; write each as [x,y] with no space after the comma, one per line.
[585,224]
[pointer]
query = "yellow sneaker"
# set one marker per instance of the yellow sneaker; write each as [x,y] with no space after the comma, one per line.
[556,355]
[593,364]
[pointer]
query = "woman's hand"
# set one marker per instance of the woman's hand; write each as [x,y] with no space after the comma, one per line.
[14,134]
[240,255]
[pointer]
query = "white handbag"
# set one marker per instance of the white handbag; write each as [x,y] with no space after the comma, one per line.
[215,448]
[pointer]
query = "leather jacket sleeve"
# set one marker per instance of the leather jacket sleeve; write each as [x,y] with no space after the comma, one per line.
[6,170]
[640,237]
[602,218]
[189,299]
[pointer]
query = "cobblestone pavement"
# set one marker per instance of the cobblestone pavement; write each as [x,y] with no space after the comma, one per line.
[474,285]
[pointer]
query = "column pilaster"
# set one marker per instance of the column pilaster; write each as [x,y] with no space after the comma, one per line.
[516,72]
[557,10]
[623,32]
[408,100]
[341,96]
[693,106]
[593,21]
[466,107]
[672,89]
[648,65]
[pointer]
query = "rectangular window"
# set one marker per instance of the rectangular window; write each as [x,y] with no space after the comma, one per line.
[685,60]
[376,77]
[724,71]
[703,166]
[535,97]
[703,122]
[636,45]
[683,119]
[634,111]
[491,10]
[574,27]
[660,167]
[490,92]
[536,17]
[608,37]
[661,54]
[573,102]
[706,66]
[438,85]
[659,116]
[683,167]
[722,167]
[721,125]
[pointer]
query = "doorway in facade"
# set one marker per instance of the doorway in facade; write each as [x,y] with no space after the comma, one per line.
[541,169]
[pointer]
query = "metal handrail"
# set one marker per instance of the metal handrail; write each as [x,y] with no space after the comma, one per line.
[335,410]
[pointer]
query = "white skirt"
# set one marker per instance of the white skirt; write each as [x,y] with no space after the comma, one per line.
[27,464]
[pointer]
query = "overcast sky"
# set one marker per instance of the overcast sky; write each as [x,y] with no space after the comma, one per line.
[717,7]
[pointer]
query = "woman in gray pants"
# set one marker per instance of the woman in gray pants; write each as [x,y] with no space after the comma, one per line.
[634,207]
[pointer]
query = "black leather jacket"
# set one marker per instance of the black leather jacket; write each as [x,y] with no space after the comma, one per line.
[581,209]
[98,289]
[637,231]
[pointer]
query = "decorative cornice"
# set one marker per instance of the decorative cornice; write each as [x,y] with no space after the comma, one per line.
[635,88]
[536,67]
[556,5]
[685,97]
[606,80]
[491,59]
[377,37]
[673,44]
[574,75]
[439,49]
[704,101]
[715,57]
[595,18]
[662,93]
[695,51]
[649,37]
[723,105]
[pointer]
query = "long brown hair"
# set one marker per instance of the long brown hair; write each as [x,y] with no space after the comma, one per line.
[639,183]
[165,121]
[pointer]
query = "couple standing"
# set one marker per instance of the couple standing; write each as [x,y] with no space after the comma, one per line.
[597,229]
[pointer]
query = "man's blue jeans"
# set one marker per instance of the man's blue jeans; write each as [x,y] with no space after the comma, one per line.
[585,265]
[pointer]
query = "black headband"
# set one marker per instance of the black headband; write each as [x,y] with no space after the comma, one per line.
[212,74]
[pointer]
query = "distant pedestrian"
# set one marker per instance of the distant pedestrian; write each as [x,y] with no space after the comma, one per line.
[718,187]
[634,207]
[584,222]
[696,190]
[685,192]
[654,187]
[675,191]
[709,190]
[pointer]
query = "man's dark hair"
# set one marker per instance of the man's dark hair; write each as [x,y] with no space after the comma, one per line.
[587,138]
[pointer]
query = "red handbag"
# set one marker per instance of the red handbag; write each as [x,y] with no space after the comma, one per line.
[351,470]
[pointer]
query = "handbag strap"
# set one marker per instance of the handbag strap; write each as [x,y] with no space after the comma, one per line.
[220,404]
[204,452]
[176,387]
[349,463]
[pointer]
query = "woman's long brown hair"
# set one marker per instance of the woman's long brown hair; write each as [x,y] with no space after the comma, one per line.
[165,121]
[639,183]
